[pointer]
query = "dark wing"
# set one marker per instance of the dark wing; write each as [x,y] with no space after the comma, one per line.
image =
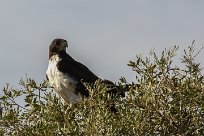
[75,69]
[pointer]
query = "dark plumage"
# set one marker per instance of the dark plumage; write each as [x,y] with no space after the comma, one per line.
[66,75]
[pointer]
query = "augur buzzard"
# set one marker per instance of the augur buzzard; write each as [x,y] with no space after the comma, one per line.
[66,75]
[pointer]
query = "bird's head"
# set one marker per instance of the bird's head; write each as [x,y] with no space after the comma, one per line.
[58,45]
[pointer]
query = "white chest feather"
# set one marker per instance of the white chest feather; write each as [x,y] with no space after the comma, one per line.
[62,83]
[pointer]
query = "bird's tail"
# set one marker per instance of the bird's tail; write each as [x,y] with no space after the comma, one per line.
[117,90]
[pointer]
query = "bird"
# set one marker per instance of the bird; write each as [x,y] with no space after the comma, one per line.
[67,76]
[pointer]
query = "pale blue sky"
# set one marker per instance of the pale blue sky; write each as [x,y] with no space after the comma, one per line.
[104,35]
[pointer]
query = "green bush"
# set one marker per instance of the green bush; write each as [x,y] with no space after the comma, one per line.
[163,100]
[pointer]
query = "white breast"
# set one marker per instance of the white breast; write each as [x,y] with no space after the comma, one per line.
[62,83]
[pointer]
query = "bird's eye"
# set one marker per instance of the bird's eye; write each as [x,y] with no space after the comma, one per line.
[57,43]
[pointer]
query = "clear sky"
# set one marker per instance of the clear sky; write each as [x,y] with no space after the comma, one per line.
[104,35]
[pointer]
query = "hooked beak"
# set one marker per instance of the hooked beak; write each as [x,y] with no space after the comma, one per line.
[65,44]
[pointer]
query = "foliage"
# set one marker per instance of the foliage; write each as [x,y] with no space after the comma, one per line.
[163,100]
